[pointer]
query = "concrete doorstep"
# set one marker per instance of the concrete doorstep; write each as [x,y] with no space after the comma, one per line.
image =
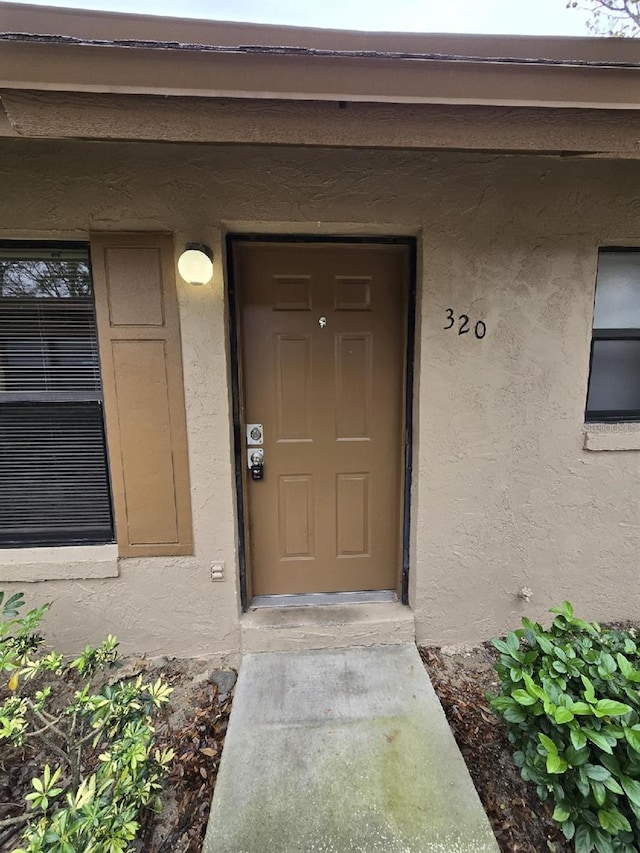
[342,750]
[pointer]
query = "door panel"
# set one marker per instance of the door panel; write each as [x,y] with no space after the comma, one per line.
[354,381]
[296,516]
[292,364]
[322,343]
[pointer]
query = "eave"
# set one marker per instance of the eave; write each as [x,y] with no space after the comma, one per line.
[93,75]
[74,51]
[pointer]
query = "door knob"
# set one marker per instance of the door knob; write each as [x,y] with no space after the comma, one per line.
[255,460]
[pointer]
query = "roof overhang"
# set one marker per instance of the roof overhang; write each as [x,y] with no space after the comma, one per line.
[71,51]
[101,75]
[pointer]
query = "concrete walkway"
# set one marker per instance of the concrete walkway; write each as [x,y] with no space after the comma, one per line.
[342,750]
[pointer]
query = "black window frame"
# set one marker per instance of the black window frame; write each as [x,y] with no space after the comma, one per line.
[62,398]
[629,334]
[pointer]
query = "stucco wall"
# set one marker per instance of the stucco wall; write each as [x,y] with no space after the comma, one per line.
[505,496]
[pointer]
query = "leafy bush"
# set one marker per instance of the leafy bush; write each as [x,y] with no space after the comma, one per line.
[107,766]
[570,697]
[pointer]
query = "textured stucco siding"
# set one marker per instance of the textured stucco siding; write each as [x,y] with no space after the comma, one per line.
[505,495]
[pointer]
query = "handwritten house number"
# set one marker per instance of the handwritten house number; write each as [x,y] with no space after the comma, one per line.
[479,330]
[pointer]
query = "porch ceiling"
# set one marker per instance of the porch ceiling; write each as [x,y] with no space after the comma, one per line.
[59,115]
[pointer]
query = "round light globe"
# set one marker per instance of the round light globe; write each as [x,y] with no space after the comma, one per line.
[195,267]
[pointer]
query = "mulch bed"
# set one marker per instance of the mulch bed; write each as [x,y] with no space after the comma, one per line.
[194,724]
[197,738]
[520,822]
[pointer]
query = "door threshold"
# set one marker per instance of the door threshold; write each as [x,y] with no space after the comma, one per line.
[366,623]
[320,599]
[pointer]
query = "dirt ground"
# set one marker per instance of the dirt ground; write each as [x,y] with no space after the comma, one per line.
[194,724]
[521,823]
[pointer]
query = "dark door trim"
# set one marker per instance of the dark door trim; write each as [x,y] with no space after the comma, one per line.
[232,301]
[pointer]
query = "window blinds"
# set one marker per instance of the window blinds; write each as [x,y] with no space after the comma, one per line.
[54,482]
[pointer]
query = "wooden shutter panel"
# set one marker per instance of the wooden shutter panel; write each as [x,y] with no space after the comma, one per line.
[139,335]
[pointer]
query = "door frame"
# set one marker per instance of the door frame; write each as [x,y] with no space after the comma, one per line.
[236,388]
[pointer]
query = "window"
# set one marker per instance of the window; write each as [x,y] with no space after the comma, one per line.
[614,381]
[54,482]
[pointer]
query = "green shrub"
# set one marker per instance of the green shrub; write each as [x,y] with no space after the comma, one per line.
[106,766]
[570,698]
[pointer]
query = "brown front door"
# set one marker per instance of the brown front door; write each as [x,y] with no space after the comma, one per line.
[322,346]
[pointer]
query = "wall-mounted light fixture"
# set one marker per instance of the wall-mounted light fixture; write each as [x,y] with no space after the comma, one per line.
[195,264]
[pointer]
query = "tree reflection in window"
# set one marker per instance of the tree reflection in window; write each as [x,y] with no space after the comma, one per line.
[48,335]
[38,278]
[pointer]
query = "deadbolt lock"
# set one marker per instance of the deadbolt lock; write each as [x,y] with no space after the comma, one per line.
[255,434]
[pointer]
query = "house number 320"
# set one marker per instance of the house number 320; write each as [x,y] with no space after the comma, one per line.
[479,330]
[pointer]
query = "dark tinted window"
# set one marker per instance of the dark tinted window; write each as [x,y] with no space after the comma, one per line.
[614,380]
